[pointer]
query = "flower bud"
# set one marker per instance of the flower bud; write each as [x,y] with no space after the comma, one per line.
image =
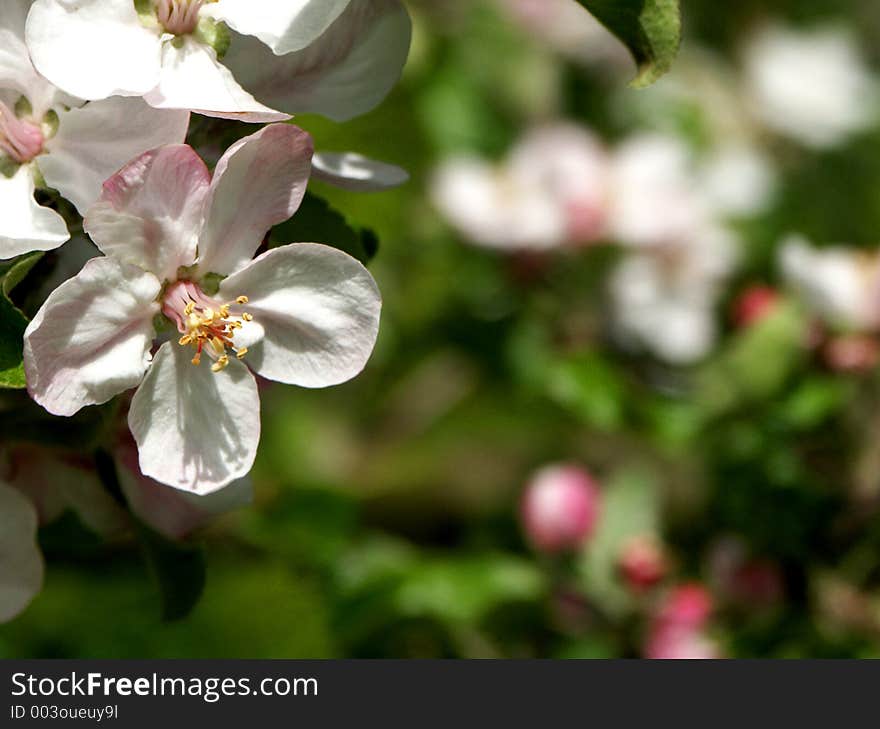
[754,304]
[687,605]
[677,629]
[642,563]
[559,508]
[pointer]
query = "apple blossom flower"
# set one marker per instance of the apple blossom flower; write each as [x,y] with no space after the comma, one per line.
[549,192]
[21,563]
[335,57]
[663,298]
[559,508]
[50,139]
[303,314]
[812,85]
[839,285]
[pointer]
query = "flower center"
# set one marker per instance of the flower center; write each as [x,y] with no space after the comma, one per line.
[179,17]
[206,324]
[19,139]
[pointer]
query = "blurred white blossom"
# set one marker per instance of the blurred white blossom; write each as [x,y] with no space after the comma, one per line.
[812,85]
[840,285]
[664,298]
[549,192]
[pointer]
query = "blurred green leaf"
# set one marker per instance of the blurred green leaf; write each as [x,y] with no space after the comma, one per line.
[12,321]
[755,364]
[589,387]
[650,29]
[465,589]
[630,508]
[317,222]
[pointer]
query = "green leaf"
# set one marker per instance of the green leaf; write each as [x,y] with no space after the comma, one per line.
[756,363]
[12,321]
[650,29]
[466,589]
[630,508]
[317,222]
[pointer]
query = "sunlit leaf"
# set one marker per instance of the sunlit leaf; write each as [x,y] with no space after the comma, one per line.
[650,29]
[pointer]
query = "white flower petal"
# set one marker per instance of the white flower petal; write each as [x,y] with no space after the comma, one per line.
[16,70]
[258,183]
[344,73]
[196,430]
[352,171]
[24,225]
[93,48]
[316,311]
[193,78]
[283,26]
[21,564]
[93,142]
[171,512]
[91,339]
[151,212]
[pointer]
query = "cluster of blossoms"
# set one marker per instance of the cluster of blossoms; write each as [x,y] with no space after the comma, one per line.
[185,305]
[561,188]
[671,205]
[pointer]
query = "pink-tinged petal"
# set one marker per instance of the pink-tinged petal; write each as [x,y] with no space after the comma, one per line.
[150,213]
[316,314]
[344,73]
[95,141]
[24,225]
[21,564]
[16,70]
[196,430]
[283,26]
[91,339]
[171,512]
[258,183]
[94,49]
[352,171]
[56,481]
[192,78]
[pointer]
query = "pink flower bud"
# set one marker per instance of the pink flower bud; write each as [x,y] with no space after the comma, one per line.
[687,605]
[754,304]
[559,508]
[677,629]
[642,563]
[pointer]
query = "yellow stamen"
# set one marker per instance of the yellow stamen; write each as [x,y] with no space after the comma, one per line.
[242,300]
[240,353]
